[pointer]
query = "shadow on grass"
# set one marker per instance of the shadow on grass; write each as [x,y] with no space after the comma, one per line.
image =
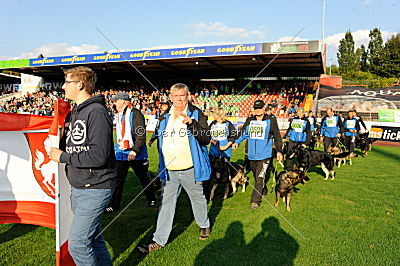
[182,219]
[131,224]
[216,205]
[317,170]
[272,246]
[135,257]
[139,220]
[391,155]
[16,231]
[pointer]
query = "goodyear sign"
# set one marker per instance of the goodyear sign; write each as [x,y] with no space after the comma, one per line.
[187,52]
[220,50]
[76,59]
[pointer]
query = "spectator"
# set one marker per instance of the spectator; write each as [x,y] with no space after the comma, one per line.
[183,162]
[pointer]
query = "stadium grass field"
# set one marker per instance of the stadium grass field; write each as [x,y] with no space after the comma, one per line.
[350,220]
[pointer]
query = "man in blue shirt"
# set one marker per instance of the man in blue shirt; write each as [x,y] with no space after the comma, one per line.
[351,128]
[299,133]
[261,131]
[331,129]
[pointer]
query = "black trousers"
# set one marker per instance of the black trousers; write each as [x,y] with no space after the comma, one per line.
[350,142]
[329,142]
[246,163]
[140,168]
[261,170]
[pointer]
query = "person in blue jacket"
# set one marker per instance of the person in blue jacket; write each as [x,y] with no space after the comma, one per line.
[261,131]
[223,135]
[183,136]
[351,128]
[331,129]
[298,133]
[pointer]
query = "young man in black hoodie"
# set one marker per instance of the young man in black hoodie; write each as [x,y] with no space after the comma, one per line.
[88,152]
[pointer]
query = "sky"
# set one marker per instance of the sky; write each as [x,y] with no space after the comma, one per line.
[57,28]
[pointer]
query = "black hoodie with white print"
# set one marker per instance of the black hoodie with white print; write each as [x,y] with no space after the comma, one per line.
[88,146]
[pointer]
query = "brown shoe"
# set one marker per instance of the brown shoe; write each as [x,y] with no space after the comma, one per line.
[254,205]
[204,233]
[150,247]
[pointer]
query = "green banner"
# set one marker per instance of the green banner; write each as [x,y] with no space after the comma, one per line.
[14,63]
[389,115]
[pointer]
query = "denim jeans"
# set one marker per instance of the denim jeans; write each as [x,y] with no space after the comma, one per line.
[171,190]
[88,206]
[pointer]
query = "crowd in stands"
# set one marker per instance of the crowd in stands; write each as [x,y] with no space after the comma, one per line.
[7,90]
[39,103]
[283,97]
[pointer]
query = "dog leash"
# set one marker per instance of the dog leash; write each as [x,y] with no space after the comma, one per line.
[274,174]
[339,142]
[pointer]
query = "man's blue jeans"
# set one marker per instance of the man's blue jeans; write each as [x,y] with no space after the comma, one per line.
[88,207]
[171,190]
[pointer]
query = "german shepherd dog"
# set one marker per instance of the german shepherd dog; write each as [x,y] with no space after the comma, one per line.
[307,159]
[285,184]
[317,140]
[365,143]
[227,173]
[341,155]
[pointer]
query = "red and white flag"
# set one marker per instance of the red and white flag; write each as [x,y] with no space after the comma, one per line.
[34,189]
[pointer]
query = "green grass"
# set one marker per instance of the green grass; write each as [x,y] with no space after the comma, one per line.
[350,220]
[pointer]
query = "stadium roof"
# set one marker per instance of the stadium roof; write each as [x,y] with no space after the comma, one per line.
[4,76]
[296,59]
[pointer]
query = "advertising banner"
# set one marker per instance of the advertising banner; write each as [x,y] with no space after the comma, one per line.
[293,47]
[389,115]
[385,133]
[358,98]
[33,188]
[30,83]
[203,51]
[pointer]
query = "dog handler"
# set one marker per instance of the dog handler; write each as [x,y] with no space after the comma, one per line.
[351,127]
[331,129]
[261,131]
[223,134]
[299,133]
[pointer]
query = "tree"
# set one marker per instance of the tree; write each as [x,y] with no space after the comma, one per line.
[375,51]
[364,59]
[346,56]
[391,57]
[357,64]
[332,70]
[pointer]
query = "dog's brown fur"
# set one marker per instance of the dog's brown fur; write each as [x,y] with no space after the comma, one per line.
[319,141]
[239,179]
[336,151]
[230,174]
[340,156]
[285,184]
